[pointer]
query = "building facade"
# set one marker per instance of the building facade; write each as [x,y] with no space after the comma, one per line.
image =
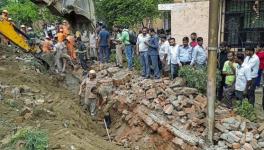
[241,21]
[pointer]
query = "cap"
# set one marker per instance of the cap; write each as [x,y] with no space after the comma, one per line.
[64,21]
[5,11]
[29,28]
[10,19]
[78,34]
[22,26]
[92,72]
[61,30]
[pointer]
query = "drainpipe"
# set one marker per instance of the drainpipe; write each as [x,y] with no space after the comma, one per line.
[212,62]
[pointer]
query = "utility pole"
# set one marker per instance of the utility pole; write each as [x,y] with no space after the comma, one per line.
[212,64]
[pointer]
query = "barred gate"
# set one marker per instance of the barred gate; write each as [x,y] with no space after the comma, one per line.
[244,23]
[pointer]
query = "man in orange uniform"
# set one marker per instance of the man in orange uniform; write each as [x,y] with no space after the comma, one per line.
[47,45]
[66,28]
[71,47]
[60,36]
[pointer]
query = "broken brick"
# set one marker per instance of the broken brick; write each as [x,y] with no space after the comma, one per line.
[151,93]
[164,133]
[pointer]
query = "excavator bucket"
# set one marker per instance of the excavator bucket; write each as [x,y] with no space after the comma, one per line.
[80,13]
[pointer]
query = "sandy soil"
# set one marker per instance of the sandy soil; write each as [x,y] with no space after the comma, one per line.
[70,127]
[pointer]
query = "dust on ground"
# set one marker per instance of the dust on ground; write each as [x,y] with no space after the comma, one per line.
[68,126]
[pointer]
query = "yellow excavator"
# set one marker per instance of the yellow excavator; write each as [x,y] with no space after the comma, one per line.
[80,13]
[20,39]
[17,37]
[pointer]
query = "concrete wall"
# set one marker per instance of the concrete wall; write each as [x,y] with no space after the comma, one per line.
[193,17]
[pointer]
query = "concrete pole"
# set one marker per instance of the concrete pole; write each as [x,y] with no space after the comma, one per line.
[212,63]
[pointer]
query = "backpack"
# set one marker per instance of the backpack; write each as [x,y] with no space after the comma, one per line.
[132,38]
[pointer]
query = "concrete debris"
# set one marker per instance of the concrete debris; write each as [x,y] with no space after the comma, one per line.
[16,92]
[177,113]
[25,110]
[39,101]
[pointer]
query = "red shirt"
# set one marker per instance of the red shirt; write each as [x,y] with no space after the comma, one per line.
[193,44]
[261,59]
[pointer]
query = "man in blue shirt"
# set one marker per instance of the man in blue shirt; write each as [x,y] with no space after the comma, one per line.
[104,45]
[184,53]
[153,46]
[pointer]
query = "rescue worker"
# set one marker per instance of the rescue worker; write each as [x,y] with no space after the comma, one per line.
[11,21]
[61,56]
[60,35]
[81,50]
[71,47]
[4,15]
[91,98]
[23,29]
[46,46]
[32,36]
[66,28]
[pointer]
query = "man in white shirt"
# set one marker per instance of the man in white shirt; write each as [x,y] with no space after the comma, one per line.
[252,61]
[243,77]
[172,58]
[92,45]
[199,56]
[163,53]
[142,50]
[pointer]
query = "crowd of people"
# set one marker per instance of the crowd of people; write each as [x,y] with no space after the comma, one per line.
[241,73]
[159,54]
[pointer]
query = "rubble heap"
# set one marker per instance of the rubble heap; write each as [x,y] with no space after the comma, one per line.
[176,112]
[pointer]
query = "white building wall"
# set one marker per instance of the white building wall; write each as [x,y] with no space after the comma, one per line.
[190,17]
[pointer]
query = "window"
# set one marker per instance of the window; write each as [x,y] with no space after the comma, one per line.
[244,22]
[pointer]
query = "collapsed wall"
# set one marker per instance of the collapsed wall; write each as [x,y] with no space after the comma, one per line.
[166,114]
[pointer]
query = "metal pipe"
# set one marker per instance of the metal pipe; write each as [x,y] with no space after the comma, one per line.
[212,63]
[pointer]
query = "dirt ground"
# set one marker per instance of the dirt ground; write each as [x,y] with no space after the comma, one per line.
[68,127]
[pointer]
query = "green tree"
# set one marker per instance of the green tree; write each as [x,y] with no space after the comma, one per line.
[26,12]
[3,3]
[128,12]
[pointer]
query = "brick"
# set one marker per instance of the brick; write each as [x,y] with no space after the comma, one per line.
[164,133]
[121,78]
[249,136]
[151,93]
[261,128]
[202,101]
[189,110]
[220,127]
[168,109]
[181,113]
[247,146]
[178,82]
[178,142]
[236,146]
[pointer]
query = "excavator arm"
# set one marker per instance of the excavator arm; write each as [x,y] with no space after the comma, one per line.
[17,37]
[13,34]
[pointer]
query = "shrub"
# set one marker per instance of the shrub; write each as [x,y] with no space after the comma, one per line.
[34,139]
[245,109]
[196,78]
